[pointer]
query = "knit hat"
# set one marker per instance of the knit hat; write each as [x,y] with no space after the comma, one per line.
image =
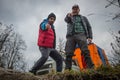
[51,15]
[75,6]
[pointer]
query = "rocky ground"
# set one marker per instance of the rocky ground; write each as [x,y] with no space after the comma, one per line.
[103,73]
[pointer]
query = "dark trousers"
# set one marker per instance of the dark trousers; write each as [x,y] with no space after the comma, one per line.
[81,40]
[46,52]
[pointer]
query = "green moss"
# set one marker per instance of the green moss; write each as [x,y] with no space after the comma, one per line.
[101,73]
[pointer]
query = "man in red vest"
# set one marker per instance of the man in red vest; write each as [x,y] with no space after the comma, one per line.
[46,43]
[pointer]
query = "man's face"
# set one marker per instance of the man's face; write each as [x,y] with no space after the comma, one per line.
[51,20]
[75,11]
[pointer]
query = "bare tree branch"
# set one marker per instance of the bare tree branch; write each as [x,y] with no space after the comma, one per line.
[11,47]
[113,2]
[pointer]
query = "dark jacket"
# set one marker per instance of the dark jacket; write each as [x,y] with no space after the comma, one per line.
[85,23]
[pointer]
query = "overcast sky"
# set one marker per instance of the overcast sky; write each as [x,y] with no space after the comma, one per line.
[26,16]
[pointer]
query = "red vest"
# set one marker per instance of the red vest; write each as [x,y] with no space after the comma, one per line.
[46,38]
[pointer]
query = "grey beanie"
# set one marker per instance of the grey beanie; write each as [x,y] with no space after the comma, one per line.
[52,15]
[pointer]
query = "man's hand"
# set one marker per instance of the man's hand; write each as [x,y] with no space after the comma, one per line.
[48,26]
[70,14]
[89,40]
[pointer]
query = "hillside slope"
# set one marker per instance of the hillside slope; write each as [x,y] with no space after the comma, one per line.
[103,73]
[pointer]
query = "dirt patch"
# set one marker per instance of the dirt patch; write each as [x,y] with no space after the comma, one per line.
[15,75]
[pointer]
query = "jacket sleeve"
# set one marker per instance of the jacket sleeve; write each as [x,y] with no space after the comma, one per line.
[67,19]
[89,28]
[43,25]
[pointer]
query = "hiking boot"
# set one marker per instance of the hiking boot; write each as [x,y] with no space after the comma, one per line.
[33,71]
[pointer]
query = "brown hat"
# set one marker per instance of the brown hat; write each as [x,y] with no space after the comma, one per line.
[75,6]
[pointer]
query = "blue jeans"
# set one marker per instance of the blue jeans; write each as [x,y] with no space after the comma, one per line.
[46,52]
